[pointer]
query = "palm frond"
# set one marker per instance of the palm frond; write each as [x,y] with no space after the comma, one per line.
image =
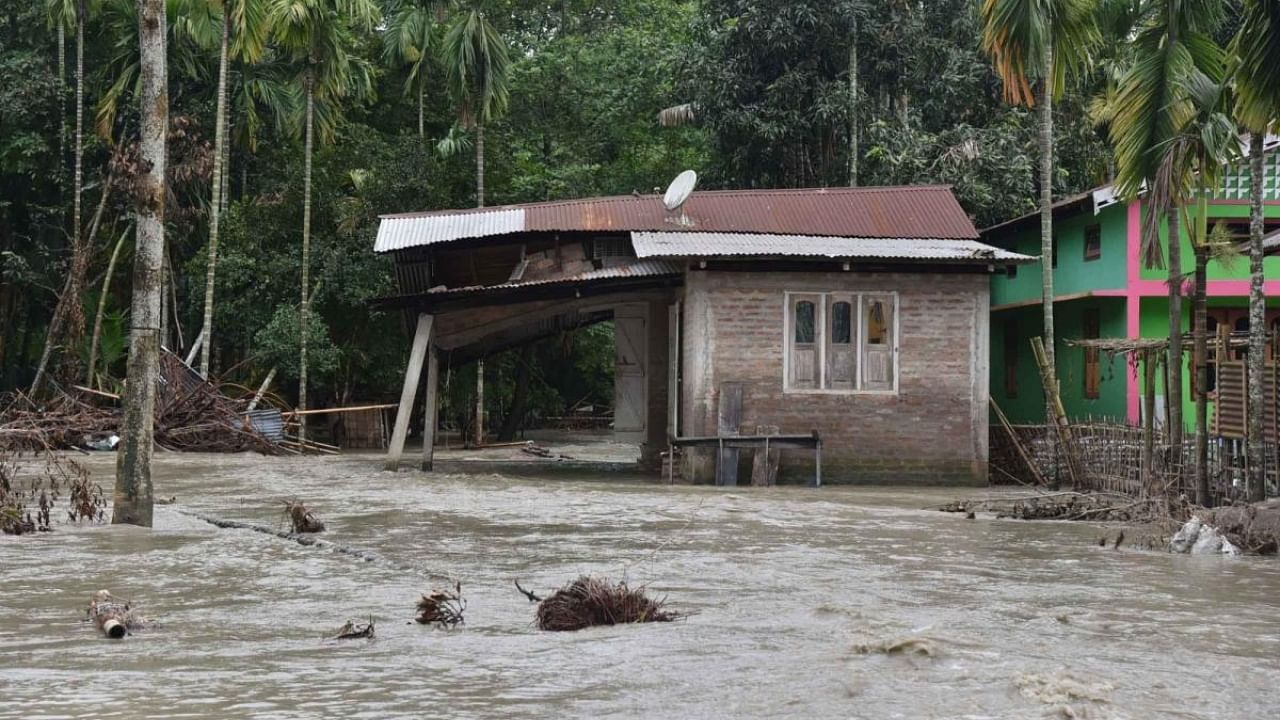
[1257,45]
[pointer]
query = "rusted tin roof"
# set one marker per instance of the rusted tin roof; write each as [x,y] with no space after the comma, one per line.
[709,244]
[878,212]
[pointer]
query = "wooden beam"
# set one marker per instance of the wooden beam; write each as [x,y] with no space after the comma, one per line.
[421,341]
[353,408]
[430,412]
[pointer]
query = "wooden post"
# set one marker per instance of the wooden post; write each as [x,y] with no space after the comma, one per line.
[430,412]
[421,341]
[262,389]
[817,463]
[1148,419]
[479,435]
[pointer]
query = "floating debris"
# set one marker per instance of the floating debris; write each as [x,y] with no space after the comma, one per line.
[301,519]
[354,631]
[114,618]
[442,608]
[591,601]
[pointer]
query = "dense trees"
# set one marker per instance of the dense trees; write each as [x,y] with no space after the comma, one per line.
[297,122]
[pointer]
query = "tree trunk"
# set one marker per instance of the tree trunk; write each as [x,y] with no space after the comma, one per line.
[215,208]
[853,106]
[78,180]
[102,305]
[1173,397]
[1200,359]
[304,319]
[62,114]
[133,492]
[421,91]
[479,164]
[1257,324]
[67,323]
[1046,219]
[515,418]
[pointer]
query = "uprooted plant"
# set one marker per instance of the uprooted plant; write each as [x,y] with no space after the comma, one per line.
[590,601]
[442,608]
[43,489]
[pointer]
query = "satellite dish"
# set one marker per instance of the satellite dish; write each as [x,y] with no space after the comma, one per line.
[680,189]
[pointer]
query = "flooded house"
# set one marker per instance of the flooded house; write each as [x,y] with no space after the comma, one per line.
[848,321]
[1104,289]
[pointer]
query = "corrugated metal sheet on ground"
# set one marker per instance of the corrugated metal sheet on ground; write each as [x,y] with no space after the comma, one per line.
[268,422]
[636,269]
[887,212]
[703,244]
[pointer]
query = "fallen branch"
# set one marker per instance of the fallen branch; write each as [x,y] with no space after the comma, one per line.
[532,597]
[355,631]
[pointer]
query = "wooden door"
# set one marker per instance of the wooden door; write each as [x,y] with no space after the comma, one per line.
[629,403]
[842,334]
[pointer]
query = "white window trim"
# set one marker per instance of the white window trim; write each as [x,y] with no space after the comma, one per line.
[820,327]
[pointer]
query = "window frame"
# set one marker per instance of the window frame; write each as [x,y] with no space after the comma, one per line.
[822,336]
[1096,229]
[1091,329]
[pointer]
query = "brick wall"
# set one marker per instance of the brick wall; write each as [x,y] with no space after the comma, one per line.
[934,429]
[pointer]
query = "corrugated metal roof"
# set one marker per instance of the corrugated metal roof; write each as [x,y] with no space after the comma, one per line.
[400,233]
[704,244]
[634,269]
[882,212]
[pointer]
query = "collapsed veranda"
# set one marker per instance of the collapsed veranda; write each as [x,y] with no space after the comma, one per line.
[858,314]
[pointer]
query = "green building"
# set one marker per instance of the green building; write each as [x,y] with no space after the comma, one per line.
[1102,289]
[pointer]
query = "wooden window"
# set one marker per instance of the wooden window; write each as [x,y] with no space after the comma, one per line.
[841,342]
[1092,242]
[1211,367]
[841,358]
[1011,347]
[1092,367]
[1273,344]
[804,346]
[1011,271]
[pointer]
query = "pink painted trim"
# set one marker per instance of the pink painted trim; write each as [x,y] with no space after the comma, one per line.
[1133,301]
[1215,288]
[1110,293]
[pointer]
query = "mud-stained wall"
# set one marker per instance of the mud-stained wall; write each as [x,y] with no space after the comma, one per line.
[932,429]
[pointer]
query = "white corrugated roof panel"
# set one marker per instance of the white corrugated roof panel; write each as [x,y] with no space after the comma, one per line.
[711,244]
[397,233]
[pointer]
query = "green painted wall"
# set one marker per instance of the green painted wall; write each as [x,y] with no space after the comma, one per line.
[1028,405]
[1073,274]
[1238,269]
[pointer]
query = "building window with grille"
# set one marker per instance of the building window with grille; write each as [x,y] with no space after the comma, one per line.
[841,342]
[1092,366]
[1092,243]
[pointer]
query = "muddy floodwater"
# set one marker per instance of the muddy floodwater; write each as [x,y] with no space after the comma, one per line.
[827,603]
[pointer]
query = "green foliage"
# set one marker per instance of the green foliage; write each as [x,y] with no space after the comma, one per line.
[277,345]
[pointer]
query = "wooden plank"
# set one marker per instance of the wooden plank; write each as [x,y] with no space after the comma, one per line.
[431,412]
[730,418]
[421,341]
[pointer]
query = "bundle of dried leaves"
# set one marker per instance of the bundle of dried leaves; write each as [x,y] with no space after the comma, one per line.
[590,601]
[442,608]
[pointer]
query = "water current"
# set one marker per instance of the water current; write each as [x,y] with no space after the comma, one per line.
[826,603]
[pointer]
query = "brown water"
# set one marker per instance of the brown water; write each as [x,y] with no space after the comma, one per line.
[830,603]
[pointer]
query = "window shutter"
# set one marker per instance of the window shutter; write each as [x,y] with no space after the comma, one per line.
[842,336]
[803,341]
[879,346]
